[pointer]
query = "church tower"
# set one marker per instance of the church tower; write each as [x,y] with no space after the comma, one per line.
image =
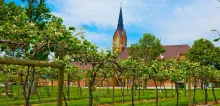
[119,41]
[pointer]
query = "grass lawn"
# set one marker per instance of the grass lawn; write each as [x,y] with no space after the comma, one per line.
[147,99]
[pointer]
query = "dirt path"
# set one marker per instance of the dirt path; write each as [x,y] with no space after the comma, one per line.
[116,103]
[210,103]
[136,101]
[47,103]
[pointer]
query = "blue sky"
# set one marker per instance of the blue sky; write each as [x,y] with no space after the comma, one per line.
[172,21]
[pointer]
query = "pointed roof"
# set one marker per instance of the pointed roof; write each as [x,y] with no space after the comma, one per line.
[120,20]
[120,27]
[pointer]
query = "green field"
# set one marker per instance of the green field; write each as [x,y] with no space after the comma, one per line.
[147,99]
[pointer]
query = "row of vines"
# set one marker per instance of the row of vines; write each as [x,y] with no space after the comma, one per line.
[33,33]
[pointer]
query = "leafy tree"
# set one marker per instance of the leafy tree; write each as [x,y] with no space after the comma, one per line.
[144,52]
[78,74]
[132,66]
[125,74]
[204,75]
[7,75]
[42,75]
[214,78]
[177,74]
[202,51]
[164,74]
[37,11]
[194,69]
[216,61]
[34,34]
[148,48]
[156,73]
[97,60]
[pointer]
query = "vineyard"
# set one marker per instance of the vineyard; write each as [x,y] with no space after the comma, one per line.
[43,62]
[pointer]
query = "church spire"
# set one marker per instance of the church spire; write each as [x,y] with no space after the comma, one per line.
[119,41]
[120,20]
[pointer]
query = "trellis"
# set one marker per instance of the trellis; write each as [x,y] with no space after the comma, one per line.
[23,62]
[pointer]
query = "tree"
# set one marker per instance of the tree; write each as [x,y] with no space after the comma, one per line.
[216,61]
[177,74]
[214,78]
[89,54]
[164,74]
[194,68]
[154,74]
[143,53]
[37,11]
[25,36]
[158,71]
[7,75]
[131,65]
[148,48]
[202,51]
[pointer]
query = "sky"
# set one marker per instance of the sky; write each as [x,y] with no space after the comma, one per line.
[174,22]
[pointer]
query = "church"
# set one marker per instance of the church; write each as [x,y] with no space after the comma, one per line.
[119,43]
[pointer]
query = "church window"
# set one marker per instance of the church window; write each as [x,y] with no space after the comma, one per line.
[117,42]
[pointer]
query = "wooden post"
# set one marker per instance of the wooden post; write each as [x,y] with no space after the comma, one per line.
[23,62]
[60,86]
[60,83]
[189,91]
[113,89]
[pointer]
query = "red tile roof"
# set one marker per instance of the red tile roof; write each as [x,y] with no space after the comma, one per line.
[175,50]
[170,51]
[123,54]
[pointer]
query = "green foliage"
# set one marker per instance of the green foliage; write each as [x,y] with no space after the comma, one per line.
[36,10]
[216,60]
[202,51]
[148,48]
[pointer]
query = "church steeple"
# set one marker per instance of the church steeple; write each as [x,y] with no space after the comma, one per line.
[120,20]
[119,41]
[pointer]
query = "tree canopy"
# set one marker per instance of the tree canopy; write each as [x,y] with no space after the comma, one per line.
[202,51]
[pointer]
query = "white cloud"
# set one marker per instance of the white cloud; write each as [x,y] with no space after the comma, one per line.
[191,22]
[173,23]
[104,12]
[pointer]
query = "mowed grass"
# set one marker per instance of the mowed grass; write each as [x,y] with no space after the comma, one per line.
[146,98]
